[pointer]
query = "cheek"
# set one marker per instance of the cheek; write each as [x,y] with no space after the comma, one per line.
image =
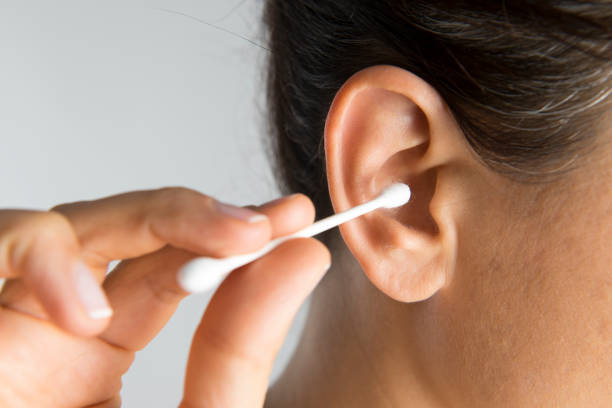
[527,318]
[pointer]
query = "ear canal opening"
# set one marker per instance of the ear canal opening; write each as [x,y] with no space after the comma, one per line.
[417,213]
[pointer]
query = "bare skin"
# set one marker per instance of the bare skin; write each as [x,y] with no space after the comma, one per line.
[55,353]
[482,292]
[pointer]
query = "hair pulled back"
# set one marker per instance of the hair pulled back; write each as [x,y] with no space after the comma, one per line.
[526,80]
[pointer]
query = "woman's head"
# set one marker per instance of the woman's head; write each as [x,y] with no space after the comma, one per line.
[498,116]
[526,80]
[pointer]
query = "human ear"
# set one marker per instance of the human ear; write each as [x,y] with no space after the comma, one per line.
[387,125]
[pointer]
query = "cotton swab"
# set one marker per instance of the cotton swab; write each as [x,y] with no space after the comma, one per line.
[204,273]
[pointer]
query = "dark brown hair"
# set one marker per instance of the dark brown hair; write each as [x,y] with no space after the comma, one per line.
[526,80]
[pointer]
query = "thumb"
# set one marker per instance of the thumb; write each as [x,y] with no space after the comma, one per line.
[245,324]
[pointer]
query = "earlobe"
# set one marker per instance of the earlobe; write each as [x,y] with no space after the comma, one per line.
[387,125]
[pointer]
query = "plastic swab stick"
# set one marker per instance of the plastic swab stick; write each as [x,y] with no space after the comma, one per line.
[204,273]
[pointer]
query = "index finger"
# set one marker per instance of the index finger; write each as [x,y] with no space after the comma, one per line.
[144,291]
[139,222]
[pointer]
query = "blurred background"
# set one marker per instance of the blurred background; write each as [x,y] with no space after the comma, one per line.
[103,97]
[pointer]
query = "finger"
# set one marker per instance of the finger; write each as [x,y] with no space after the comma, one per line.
[144,295]
[289,213]
[132,224]
[87,370]
[144,291]
[42,250]
[244,326]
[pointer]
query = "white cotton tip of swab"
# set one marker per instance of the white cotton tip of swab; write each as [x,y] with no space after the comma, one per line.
[395,195]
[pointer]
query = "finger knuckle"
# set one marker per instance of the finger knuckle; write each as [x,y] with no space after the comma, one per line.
[52,220]
[176,199]
[162,292]
[166,203]
[56,227]
[173,193]
[42,225]
[34,232]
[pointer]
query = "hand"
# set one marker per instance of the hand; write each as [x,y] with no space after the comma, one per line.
[58,346]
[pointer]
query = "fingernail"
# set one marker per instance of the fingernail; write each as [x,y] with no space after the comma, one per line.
[327,268]
[240,213]
[90,292]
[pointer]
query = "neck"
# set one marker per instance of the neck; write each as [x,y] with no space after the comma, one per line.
[355,350]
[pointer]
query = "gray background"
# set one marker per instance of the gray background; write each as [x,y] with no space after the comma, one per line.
[102,97]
